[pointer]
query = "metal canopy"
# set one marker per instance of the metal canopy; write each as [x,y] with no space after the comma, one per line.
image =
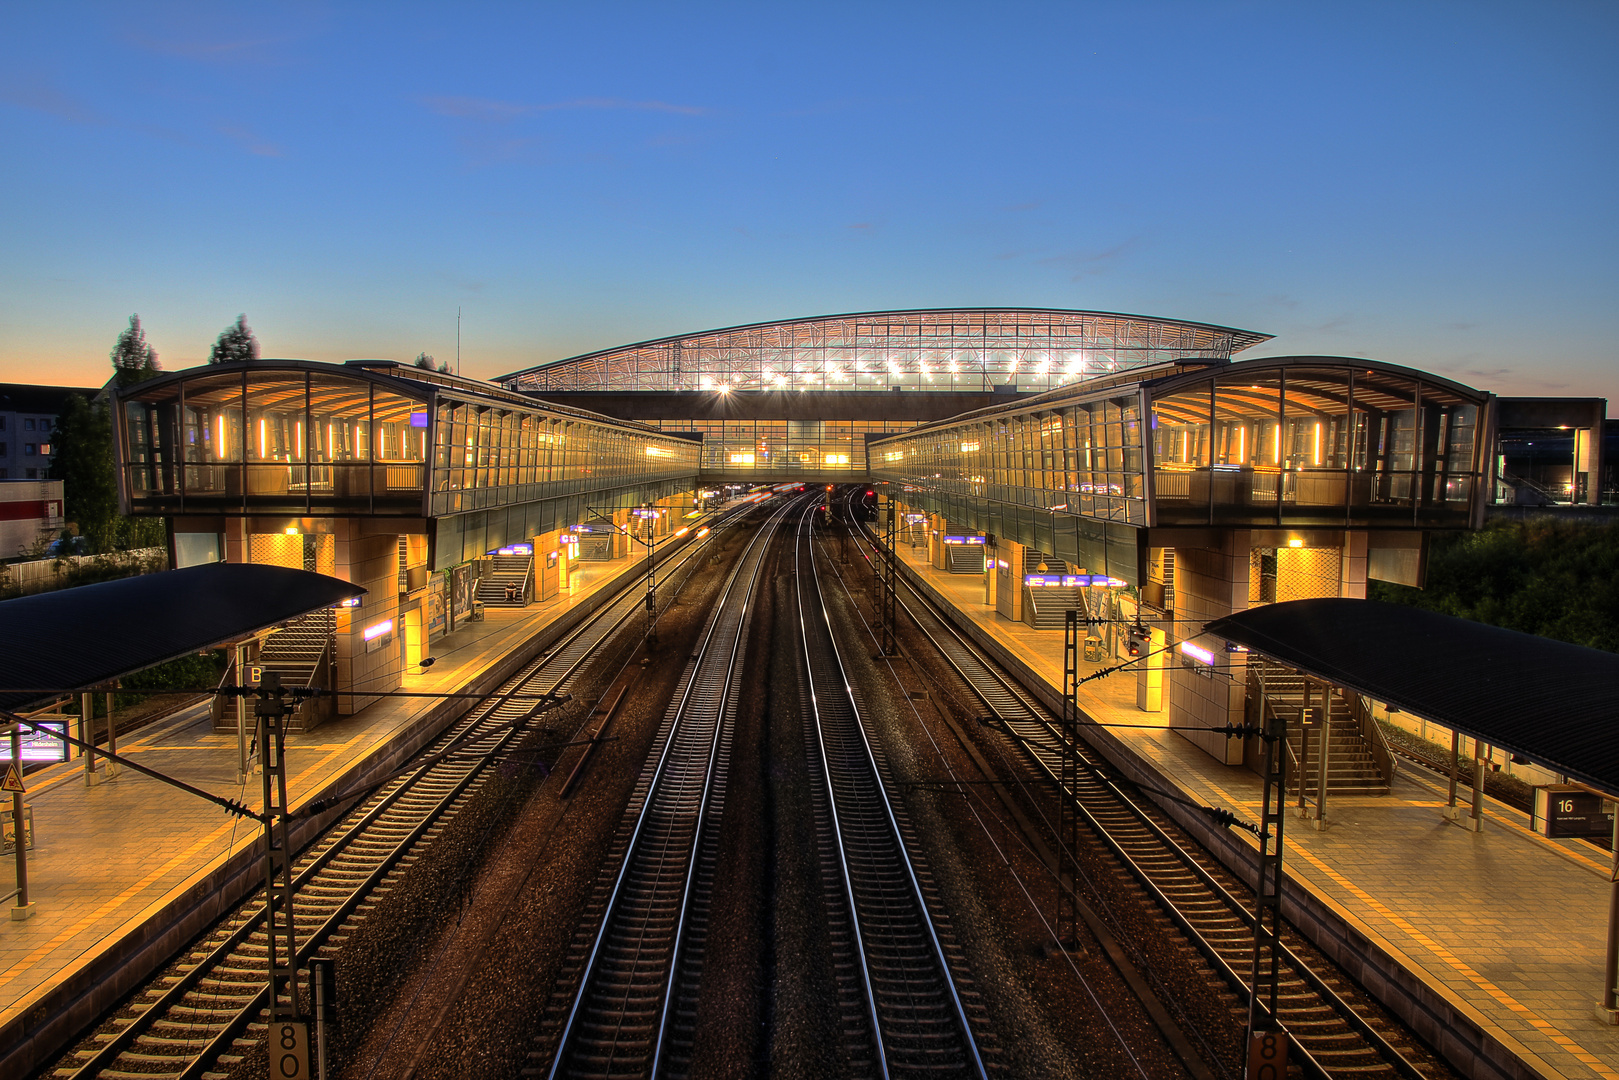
[933,349]
[1553,703]
[84,637]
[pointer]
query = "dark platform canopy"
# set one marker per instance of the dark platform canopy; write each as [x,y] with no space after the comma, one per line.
[1553,703]
[83,637]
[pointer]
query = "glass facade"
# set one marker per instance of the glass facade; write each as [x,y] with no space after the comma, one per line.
[1289,442]
[296,437]
[966,349]
[785,447]
[1302,443]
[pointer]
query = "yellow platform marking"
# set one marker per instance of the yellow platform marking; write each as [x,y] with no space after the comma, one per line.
[1450,959]
[48,947]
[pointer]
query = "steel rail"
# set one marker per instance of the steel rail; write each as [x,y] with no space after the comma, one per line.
[863,816]
[358,864]
[620,1012]
[1041,742]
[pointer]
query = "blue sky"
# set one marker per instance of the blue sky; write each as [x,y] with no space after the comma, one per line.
[1425,183]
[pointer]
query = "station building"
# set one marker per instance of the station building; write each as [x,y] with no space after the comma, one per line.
[1173,494]
[797,399]
[410,483]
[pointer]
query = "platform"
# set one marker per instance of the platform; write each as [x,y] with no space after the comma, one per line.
[114,861]
[1506,925]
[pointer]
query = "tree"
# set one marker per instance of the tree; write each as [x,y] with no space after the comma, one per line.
[235,343]
[82,460]
[425,360]
[133,360]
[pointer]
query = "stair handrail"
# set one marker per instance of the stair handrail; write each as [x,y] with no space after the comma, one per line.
[528,577]
[1372,732]
[216,707]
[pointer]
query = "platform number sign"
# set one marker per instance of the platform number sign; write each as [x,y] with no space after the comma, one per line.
[289,1050]
[1267,1055]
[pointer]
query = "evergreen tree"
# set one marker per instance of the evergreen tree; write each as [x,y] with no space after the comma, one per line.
[425,360]
[133,360]
[236,342]
[82,460]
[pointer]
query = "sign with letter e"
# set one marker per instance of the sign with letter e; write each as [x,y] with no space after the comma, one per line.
[289,1050]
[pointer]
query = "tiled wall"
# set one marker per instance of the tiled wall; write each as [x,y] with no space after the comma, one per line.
[1209,584]
[372,562]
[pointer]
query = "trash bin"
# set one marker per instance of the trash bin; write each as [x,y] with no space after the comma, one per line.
[1095,650]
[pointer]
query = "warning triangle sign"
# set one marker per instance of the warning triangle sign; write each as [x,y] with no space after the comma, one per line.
[13,780]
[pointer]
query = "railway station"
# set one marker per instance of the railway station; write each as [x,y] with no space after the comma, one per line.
[1112,517]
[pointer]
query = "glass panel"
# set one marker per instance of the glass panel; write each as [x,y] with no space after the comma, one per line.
[276,437]
[1181,453]
[1315,443]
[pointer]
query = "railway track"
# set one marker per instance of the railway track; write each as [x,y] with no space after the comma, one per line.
[200,1017]
[633,1012]
[906,999]
[1332,1037]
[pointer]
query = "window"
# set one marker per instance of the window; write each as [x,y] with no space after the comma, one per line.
[28,425]
[5,474]
[2,423]
[28,450]
[4,449]
[33,474]
[44,425]
[45,449]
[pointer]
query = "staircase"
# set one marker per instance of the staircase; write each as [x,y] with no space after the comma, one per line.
[295,651]
[505,570]
[1044,607]
[964,558]
[1357,765]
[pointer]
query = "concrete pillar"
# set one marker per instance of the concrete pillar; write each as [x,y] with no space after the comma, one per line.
[1150,674]
[1352,565]
[1009,583]
[1209,584]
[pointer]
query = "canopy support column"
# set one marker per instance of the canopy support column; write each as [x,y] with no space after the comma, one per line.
[1608,1007]
[1450,812]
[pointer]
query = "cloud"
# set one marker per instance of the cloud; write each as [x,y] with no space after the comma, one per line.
[482,153]
[249,141]
[39,95]
[1084,264]
[487,109]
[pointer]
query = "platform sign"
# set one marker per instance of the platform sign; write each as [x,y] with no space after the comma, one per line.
[289,1050]
[1564,812]
[49,744]
[1267,1055]
[252,674]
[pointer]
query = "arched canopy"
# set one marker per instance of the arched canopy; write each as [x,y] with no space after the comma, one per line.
[946,349]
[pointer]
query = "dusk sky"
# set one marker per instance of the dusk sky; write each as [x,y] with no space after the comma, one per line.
[1428,184]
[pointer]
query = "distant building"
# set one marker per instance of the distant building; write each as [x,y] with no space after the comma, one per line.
[30,510]
[28,416]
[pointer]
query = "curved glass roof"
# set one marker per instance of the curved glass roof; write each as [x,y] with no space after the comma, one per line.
[955,349]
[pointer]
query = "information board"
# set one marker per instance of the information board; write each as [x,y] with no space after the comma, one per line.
[1563,812]
[46,745]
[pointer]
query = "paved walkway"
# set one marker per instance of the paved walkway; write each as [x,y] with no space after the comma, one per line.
[107,856]
[1512,924]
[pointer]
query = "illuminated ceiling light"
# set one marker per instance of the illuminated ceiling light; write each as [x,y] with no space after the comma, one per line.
[1075,366]
[955,368]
